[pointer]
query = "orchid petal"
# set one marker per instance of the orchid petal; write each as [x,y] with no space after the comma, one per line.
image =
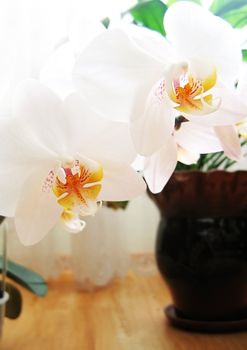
[153,119]
[94,135]
[12,177]
[114,142]
[230,141]
[41,109]
[21,153]
[151,42]
[57,72]
[111,69]
[20,144]
[187,157]
[120,182]
[138,163]
[193,137]
[195,33]
[82,31]
[37,211]
[160,166]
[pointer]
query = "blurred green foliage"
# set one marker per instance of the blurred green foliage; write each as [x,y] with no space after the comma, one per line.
[233,11]
[149,14]
[170,2]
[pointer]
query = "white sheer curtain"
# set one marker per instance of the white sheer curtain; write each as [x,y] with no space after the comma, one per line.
[101,251]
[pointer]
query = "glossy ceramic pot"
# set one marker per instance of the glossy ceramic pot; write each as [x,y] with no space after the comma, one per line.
[201,247]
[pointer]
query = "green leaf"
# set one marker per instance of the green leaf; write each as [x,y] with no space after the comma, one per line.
[26,278]
[244,55]
[149,14]
[233,11]
[221,8]
[237,18]
[170,2]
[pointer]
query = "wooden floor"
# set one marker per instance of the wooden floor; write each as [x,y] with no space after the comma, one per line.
[126,315]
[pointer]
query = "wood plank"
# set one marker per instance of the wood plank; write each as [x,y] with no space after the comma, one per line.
[126,315]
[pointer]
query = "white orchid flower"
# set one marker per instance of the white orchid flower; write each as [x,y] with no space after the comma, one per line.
[58,160]
[138,73]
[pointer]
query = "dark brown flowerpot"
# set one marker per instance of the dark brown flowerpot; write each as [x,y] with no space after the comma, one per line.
[201,247]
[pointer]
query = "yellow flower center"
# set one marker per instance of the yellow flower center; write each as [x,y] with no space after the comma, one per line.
[186,95]
[77,188]
[189,92]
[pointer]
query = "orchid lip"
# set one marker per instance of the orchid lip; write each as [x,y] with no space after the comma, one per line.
[189,92]
[76,186]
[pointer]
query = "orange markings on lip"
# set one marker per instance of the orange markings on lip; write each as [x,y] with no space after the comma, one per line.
[189,92]
[77,189]
[186,95]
